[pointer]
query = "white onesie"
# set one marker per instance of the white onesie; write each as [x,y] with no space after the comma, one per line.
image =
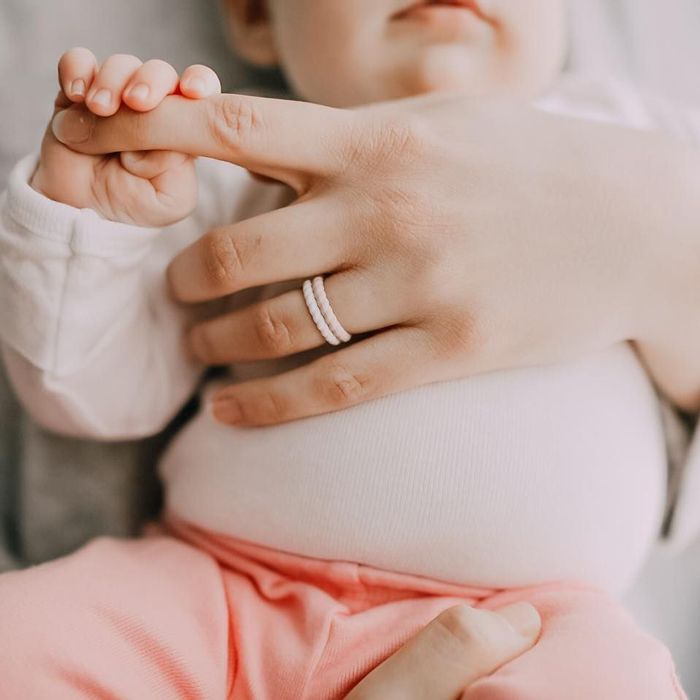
[506,479]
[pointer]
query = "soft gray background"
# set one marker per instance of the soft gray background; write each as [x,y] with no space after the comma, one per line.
[56,493]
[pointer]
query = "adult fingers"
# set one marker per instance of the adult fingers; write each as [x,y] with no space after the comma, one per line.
[366,370]
[458,648]
[268,136]
[261,250]
[283,326]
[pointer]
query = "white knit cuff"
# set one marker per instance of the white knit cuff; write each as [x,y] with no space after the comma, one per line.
[84,230]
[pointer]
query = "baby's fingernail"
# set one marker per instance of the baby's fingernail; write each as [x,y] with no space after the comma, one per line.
[226,411]
[73,126]
[102,97]
[77,88]
[523,618]
[195,85]
[139,92]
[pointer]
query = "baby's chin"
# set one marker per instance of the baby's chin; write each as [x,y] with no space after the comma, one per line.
[466,70]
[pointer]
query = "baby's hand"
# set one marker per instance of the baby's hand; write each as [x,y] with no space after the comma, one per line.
[148,188]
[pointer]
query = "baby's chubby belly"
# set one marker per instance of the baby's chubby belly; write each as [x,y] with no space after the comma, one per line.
[506,479]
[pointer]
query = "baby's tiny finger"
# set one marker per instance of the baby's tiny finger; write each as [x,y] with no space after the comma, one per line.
[199,81]
[76,71]
[150,84]
[150,164]
[104,97]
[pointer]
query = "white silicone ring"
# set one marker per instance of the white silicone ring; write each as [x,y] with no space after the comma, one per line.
[316,314]
[325,306]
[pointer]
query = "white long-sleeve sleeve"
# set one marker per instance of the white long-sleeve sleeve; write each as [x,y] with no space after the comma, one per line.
[90,338]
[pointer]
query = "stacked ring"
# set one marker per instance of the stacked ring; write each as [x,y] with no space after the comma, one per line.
[321,312]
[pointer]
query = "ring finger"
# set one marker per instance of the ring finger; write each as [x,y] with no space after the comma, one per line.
[283,325]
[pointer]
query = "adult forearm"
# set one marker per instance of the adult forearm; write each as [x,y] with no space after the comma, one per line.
[669,339]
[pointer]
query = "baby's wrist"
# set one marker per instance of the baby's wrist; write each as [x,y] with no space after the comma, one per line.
[42,184]
[37,184]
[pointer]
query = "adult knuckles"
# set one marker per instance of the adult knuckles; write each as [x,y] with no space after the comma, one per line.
[466,632]
[338,386]
[233,120]
[478,638]
[405,213]
[460,625]
[273,333]
[225,257]
[268,407]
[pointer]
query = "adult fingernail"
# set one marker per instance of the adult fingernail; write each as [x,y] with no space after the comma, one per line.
[523,618]
[226,411]
[77,88]
[139,92]
[72,126]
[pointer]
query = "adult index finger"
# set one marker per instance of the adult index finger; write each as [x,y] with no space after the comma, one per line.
[269,136]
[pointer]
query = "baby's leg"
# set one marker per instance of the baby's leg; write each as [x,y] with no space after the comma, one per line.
[590,649]
[118,619]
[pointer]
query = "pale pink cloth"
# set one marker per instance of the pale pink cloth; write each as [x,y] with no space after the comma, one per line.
[186,614]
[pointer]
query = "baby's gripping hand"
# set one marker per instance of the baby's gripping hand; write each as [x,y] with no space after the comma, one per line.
[148,188]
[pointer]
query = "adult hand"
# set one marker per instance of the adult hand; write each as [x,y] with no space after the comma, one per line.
[467,237]
[458,648]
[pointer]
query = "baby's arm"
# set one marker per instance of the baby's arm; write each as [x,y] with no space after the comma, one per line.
[90,337]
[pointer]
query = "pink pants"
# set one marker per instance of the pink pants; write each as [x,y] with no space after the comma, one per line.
[186,614]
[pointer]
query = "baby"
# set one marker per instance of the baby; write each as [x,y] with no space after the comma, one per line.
[294,558]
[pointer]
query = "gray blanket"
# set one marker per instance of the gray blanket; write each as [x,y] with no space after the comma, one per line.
[56,493]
